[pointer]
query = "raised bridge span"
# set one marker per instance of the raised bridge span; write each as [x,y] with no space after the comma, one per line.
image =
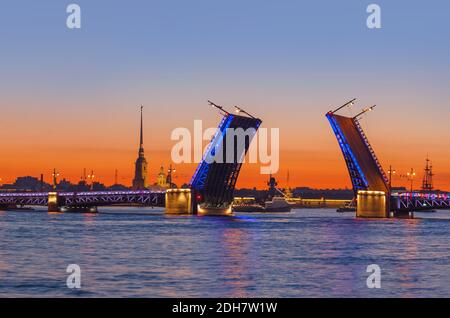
[373,194]
[215,178]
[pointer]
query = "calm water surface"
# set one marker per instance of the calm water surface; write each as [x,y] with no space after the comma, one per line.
[132,252]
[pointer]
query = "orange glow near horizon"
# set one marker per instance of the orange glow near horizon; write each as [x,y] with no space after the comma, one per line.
[103,147]
[105,139]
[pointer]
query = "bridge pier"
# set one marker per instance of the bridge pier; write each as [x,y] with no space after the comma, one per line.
[179,201]
[372,204]
[398,211]
[53,203]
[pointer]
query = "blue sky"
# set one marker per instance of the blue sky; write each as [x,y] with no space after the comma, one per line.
[286,61]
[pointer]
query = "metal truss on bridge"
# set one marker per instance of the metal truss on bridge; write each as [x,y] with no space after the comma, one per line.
[421,201]
[365,170]
[148,198]
[13,198]
[372,152]
[359,181]
[198,180]
[94,198]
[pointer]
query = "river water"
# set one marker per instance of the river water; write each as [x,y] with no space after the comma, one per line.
[136,252]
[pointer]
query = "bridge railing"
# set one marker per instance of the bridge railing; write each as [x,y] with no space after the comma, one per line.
[357,176]
[116,197]
[421,201]
[94,198]
[372,152]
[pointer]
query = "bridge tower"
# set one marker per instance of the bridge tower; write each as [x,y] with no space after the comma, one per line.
[370,183]
[214,180]
[140,173]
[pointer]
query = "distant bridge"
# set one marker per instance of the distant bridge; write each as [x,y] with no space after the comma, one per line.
[83,199]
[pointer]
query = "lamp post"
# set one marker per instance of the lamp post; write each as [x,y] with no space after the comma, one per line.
[169,175]
[55,175]
[391,172]
[411,174]
[91,177]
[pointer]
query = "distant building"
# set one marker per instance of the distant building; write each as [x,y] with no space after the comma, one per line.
[161,179]
[81,186]
[28,184]
[63,185]
[97,186]
[118,187]
[140,174]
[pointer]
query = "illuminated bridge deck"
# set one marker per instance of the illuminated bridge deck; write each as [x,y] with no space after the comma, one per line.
[417,201]
[94,198]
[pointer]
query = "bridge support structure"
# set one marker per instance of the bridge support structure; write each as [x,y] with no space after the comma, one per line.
[372,204]
[53,203]
[369,181]
[179,201]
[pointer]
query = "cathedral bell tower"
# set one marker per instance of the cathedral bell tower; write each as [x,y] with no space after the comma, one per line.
[140,173]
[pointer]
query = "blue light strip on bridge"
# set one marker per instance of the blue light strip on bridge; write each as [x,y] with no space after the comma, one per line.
[346,149]
[203,167]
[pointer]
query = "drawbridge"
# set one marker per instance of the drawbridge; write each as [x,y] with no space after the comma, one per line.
[368,178]
[214,180]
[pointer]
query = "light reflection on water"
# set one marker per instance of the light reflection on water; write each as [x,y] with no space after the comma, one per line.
[143,253]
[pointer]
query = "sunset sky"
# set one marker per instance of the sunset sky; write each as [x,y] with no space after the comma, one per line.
[70,99]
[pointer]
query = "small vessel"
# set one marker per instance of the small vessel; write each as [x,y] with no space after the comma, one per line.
[74,209]
[277,204]
[225,210]
[275,201]
[348,207]
[248,207]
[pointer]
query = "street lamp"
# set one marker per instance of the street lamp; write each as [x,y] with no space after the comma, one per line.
[91,177]
[391,172]
[411,176]
[169,175]
[55,175]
